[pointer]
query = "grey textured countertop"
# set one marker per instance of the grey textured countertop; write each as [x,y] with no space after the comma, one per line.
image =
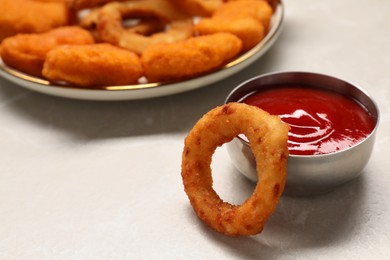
[101,180]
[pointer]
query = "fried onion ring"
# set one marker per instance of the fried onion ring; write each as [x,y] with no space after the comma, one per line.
[272,3]
[240,9]
[27,52]
[268,140]
[199,7]
[92,65]
[247,19]
[27,16]
[111,30]
[83,4]
[189,58]
[143,26]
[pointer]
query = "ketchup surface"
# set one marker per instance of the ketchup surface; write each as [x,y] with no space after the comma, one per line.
[321,121]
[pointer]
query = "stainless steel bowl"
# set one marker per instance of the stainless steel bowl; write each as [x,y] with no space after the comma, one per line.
[308,174]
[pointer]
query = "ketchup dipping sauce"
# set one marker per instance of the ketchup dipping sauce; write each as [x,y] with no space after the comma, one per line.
[332,122]
[321,121]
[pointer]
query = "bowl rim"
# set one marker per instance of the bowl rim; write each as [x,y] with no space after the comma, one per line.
[356,87]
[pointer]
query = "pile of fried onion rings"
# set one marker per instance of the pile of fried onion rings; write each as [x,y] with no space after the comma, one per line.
[267,136]
[208,34]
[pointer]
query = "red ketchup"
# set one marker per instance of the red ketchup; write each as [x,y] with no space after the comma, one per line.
[321,121]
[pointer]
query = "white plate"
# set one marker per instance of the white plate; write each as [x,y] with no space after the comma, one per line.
[142,91]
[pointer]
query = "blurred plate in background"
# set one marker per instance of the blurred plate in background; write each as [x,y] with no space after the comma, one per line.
[149,90]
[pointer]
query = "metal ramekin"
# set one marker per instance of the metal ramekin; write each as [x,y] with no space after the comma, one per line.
[308,174]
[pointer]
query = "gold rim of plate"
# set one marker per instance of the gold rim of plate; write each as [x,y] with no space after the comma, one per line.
[276,24]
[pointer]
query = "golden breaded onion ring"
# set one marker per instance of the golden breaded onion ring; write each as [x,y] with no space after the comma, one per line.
[268,140]
[272,3]
[196,56]
[199,7]
[27,52]
[27,16]
[247,19]
[83,4]
[92,65]
[110,28]
[143,26]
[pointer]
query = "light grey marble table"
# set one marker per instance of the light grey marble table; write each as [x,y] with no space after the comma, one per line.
[101,180]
